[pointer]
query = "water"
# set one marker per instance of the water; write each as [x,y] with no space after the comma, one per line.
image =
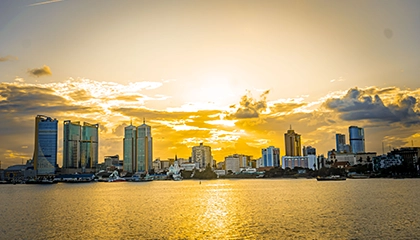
[217,209]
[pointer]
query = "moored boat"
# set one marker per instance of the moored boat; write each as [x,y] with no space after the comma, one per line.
[331,178]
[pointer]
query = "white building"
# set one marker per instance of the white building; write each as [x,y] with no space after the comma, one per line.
[291,162]
[189,166]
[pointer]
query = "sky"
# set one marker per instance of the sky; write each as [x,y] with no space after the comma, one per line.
[235,75]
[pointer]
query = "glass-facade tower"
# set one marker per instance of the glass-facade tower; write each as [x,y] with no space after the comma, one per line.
[138,148]
[357,139]
[271,157]
[144,148]
[80,148]
[129,148]
[71,144]
[89,145]
[45,152]
[340,142]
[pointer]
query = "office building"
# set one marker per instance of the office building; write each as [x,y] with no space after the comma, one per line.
[270,157]
[340,142]
[357,139]
[129,148]
[308,150]
[71,144]
[144,148]
[202,154]
[80,145]
[232,163]
[45,152]
[293,143]
[291,162]
[138,148]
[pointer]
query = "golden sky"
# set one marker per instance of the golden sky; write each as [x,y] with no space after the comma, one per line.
[232,74]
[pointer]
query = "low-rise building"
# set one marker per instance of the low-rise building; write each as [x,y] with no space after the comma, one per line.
[291,162]
[386,161]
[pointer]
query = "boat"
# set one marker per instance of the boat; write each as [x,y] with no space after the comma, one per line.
[358,176]
[114,177]
[43,181]
[75,178]
[331,178]
[117,180]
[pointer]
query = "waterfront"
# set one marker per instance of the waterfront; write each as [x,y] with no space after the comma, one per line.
[215,209]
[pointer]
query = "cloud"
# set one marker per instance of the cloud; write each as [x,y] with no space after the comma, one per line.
[250,107]
[7,58]
[20,99]
[359,104]
[340,79]
[38,72]
[45,2]
[175,130]
[286,107]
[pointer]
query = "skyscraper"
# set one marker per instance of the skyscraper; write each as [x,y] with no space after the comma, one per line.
[89,145]
[71,144]
[293,143]
[202,155]
[340,142]
[129,148]
[138,148]
[270,157]
[80,145]
[144,148]
[45,152]
[357,139]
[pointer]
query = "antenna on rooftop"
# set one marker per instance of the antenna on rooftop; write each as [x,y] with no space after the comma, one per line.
[144,120]
[131,121]
[383,152]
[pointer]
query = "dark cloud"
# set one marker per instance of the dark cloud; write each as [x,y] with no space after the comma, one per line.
[39,72]
[28,100]
[7,58]
[358,105]
[250,107]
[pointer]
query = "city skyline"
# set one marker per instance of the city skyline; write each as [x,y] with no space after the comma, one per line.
[233,75]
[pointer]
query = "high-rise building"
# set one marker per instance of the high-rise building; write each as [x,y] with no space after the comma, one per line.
[71,144]
[340,142]
[144,148]
[293,143]
[89,145]
[138,148]
[232,163]
[80,148]
[308,150]
[129,148]
[357,139]
[202,155]
[270,157]
[45,152]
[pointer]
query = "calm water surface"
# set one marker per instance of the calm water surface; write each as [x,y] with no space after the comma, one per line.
[217,209]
